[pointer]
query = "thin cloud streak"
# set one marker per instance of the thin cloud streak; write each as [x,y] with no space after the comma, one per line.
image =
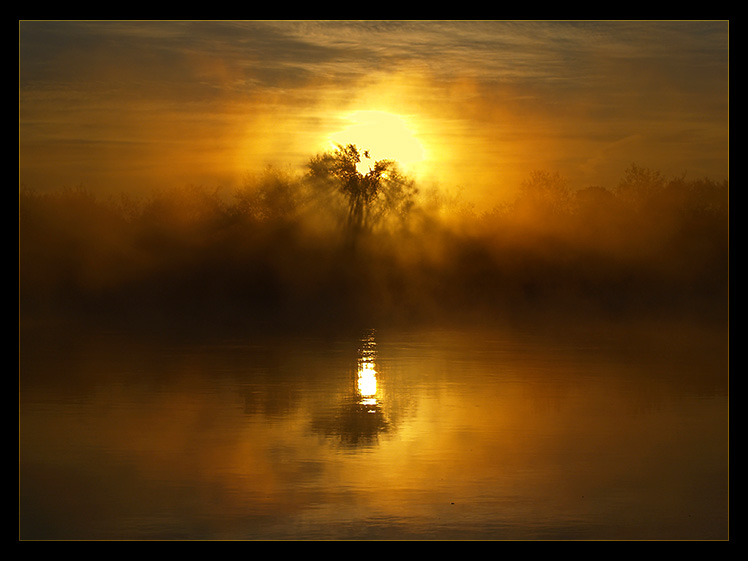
[273,86]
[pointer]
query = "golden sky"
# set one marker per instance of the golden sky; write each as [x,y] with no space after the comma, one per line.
[471,105]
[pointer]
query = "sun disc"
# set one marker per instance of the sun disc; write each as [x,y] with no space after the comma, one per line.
[386,136]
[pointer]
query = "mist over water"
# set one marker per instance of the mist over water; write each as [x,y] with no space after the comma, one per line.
[279,252]
[441,345]
[291,361]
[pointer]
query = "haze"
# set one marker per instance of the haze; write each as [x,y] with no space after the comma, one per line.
[373,280]
[137,105]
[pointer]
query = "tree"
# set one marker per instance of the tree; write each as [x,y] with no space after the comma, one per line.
[383,195]
[640,186]
[544,195]
[271,197]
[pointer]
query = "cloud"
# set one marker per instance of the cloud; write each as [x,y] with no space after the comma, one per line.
[507,90]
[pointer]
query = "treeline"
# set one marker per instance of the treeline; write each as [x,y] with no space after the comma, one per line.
[279,252]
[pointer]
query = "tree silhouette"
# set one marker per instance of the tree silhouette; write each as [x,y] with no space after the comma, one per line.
[546,192]
[640,186]
[372,198]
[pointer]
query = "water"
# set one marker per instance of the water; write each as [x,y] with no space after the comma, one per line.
[423,435]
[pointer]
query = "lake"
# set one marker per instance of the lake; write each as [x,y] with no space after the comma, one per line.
[575,433]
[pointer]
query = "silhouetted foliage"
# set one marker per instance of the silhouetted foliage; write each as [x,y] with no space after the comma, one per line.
[270,253]
[544,193]
[373,198]
[639,185]
[273,196]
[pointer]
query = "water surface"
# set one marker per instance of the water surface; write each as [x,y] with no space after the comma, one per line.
[382,434]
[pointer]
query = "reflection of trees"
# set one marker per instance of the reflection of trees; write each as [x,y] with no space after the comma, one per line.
[360,418]
[354,424]
[273,400]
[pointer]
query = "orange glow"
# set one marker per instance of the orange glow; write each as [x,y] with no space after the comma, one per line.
[366,383]
[385,135]
[469,106]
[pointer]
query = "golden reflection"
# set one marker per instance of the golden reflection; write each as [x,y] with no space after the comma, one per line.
[359,419]
[366,384]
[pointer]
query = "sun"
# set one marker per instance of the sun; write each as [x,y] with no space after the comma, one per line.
[386,136]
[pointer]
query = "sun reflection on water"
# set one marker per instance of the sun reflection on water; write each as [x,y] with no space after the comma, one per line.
[366,385]
[359,418]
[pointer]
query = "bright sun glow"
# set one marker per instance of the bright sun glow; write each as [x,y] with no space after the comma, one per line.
[386,136]
[367,380]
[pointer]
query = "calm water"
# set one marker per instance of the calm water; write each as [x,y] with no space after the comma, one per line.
[599,434]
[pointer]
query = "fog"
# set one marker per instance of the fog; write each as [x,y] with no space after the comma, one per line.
[301,250]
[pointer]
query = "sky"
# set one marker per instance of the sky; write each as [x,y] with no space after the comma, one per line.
[471,106]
